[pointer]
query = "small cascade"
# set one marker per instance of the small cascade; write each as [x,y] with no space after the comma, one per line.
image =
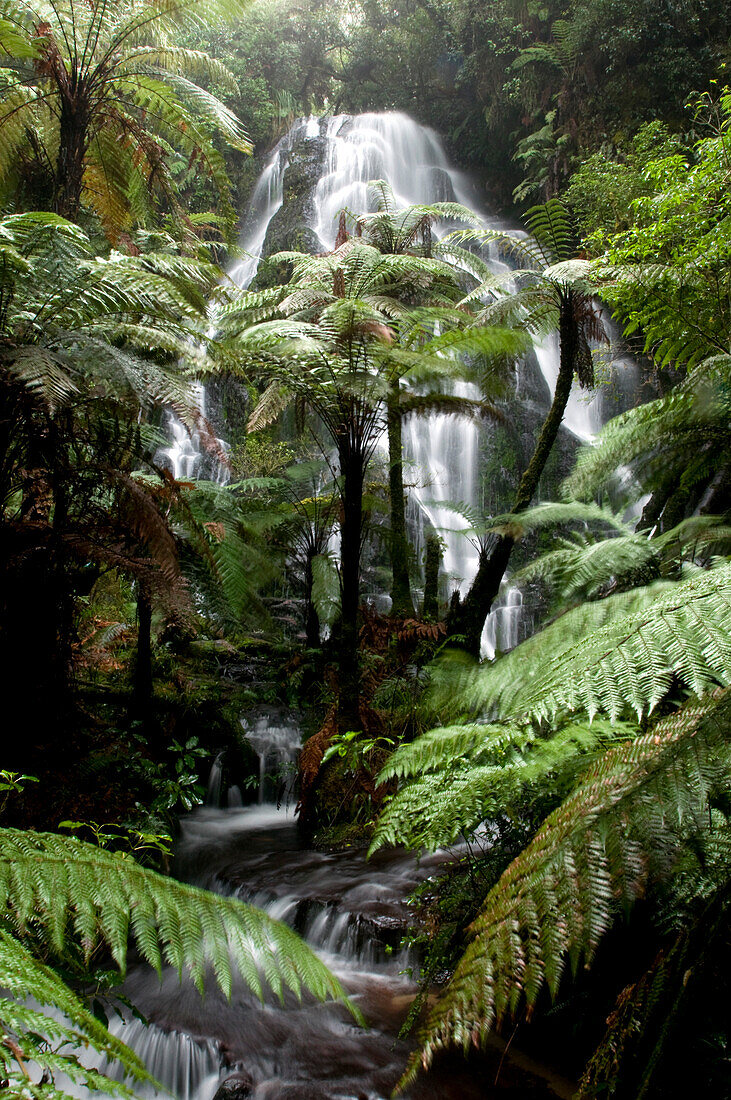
[502,629]
[234,798]
[186,457]
[186,1067]
[388,146]
[215,782]
[441,452]
[277,742]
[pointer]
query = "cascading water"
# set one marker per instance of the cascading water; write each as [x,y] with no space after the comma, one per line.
[276,741]
[353,913]
[502,627]
[341,155]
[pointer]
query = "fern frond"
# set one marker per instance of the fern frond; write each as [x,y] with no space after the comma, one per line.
[649,640]
[50,1042]
[478,776]
[59,887]
[623,823]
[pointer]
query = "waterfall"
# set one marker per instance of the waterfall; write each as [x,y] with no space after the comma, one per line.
[186,1067]
[276,740]
[215,781]
[332,160]
[502,626]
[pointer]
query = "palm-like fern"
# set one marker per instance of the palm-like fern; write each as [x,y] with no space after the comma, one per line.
[347,331]
[57,891]
[677,445]
[631,648]
[90,352]
[551,293]
[633,811]
[110,100]
[627,820]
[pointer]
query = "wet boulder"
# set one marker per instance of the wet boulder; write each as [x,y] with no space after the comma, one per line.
[238,1086]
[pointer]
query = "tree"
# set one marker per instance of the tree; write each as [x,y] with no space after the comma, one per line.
[106,102]
[90,351]
[555,296]
[346,331]
[409,231]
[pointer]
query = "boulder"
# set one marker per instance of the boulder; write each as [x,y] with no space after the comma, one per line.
[238,1086]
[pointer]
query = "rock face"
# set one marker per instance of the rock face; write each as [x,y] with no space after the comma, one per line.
[289,230]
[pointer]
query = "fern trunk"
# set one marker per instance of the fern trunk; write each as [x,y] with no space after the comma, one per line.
[352,465]
[401,601]
[142,686]
[312,619]
[73,142]
[467,617]
[430,609]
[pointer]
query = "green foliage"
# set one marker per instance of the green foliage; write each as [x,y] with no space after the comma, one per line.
[60,894]
[627,819]
[59,887]
[109,104]
[667,274]
[463,776]
[353,749]
[36,1040]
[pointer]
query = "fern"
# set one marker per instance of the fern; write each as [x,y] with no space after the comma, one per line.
[59,887]
[625,821]
[631,647]
[693,416]
[464,776]
[47,1042]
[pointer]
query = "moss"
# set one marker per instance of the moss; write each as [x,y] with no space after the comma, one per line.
[338,838]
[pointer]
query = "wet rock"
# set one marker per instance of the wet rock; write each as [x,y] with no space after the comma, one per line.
[238,1086]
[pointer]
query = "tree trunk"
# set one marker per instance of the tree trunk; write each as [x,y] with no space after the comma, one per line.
[431,577]
[352,466]
[73,141]
[312,619]
[401,601]
[142,685]
[467,617]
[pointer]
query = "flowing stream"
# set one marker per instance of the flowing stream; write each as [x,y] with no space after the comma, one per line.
[353,913]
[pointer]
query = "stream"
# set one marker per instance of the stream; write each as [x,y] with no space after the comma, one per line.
[353,913]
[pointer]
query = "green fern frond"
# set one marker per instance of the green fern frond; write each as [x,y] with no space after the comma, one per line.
[46,1041]
[465,776]
[59,887]
[325,588]
[649,640]
[625,821]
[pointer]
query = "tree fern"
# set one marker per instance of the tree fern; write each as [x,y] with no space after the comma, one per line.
[626,820]
[693,416]
[632,646]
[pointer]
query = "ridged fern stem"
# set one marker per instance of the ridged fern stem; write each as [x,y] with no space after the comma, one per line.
[400,589]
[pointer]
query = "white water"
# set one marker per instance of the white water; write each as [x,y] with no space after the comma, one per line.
[276,741]
[352,912]
[502,627]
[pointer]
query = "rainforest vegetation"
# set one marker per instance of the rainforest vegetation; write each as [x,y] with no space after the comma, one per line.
[582,777]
